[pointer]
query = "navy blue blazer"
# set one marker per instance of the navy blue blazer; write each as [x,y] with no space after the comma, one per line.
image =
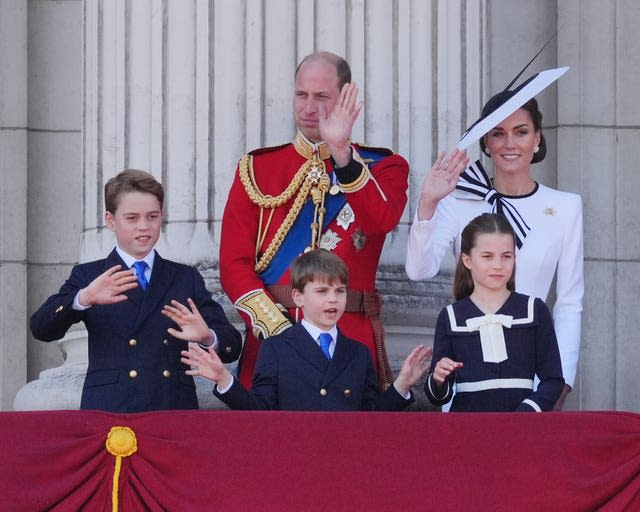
[134,364]
[293,374]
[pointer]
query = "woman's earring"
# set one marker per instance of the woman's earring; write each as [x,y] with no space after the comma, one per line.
[536,149]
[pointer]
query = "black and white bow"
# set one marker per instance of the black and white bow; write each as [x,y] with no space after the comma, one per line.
[475,180]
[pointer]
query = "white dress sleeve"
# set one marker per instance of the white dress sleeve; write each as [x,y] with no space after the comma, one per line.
[429,240]
[567,310]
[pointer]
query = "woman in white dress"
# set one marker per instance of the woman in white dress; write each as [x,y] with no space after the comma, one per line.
[547,222]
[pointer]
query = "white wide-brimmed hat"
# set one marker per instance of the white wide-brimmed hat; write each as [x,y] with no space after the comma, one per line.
[505,103]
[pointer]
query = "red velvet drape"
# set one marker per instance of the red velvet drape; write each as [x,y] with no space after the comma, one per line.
[280,461]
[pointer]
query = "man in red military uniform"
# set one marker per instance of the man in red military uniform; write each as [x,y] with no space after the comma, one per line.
[319,191]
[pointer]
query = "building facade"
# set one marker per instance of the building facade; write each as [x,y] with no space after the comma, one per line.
[183,88]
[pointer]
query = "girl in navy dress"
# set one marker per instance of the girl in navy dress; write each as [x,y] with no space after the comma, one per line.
[492,342]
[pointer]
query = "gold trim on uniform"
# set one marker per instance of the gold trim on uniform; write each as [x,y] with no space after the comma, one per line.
[299,184]
[245,167]
[311,179]
[358,184]
[266,316]
[361,180]
[307,148]
[358,158]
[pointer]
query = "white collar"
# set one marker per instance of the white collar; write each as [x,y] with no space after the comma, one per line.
[314,331]
[130,260]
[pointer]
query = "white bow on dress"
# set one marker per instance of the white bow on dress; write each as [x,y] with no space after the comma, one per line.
[494,349]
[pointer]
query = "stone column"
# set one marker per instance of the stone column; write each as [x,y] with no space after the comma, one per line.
[13,195]
[147,107]
[54,194]
[183,88]
[598,147]
[439,65]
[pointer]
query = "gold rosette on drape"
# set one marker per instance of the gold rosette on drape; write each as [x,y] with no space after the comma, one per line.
[121,442]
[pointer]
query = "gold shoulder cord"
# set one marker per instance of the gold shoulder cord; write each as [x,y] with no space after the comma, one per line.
[312,178]
[254,193]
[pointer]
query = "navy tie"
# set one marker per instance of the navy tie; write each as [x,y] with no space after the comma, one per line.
[325,340]
[140,267]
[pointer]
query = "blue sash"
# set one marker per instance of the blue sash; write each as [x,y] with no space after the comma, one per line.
[299,237]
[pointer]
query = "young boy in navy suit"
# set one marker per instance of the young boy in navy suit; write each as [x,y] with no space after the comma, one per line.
[132,304]
[297,370]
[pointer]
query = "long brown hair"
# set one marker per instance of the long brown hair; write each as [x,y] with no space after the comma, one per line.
[487,223]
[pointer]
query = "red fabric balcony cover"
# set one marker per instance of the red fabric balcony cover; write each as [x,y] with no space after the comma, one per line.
[225,460]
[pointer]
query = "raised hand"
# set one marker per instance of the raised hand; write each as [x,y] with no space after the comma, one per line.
[443,369]
[335,126]
[205,363]
[413,367]
[108,287]
[440,181]
[192,325]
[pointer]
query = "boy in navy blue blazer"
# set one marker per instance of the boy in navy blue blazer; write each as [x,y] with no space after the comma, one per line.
[133,306]
[298,369]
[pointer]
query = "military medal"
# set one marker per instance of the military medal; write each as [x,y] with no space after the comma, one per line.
[314,174]
[359,239]
[335,189]
[345,217]
[329,240]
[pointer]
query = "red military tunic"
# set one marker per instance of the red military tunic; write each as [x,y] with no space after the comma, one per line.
[375,199]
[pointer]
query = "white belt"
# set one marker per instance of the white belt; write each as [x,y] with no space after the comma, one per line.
[484,385]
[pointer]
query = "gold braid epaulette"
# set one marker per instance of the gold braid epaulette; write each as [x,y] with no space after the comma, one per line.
[298,184]
[245,167]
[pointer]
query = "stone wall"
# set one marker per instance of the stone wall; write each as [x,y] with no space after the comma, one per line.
[183,88]
[13,194]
